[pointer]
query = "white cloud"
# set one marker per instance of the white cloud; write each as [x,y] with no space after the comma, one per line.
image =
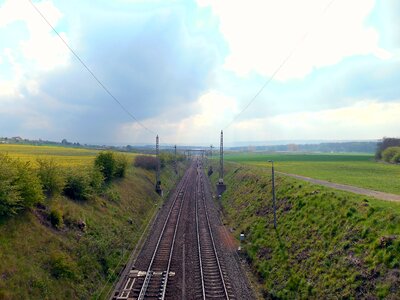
[43,50]
[214,111]
[261,34]
[367,119]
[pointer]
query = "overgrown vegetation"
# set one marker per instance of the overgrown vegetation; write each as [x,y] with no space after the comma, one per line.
[391,155]
[63,249]
[328,244]
[51,176]
[384,144]
[111,165]
[146,162]
[20,188]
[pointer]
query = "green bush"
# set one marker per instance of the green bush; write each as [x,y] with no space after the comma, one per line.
[56,218]
[62,266]
[20,188]
[391,155]
[96,180]
[121,165]
[105,162]
[77,186]
[51,176]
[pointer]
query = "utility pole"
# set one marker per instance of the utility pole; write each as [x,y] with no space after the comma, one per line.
[273,191]
[221,187]
[158,180]
[176,162]
[221,158]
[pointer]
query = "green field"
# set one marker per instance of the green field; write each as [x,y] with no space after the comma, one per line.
[353,169]
[65,157]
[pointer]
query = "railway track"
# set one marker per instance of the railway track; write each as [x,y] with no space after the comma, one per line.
[152,283]
[164,270]
[213,281]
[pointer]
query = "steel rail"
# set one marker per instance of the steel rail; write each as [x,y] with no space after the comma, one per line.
[198,235]
[182,190]
[212,237]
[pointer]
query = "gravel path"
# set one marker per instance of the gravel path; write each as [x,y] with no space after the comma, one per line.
[347,188]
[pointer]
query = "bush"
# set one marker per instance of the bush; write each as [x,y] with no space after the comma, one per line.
[96,179]
[51,176]
[20,188]
[56,218]
[77,186]
[391,155]
[106,163]
[62,266]
[146,162]
[121,165]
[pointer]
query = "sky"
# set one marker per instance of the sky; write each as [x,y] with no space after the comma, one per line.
[189,69]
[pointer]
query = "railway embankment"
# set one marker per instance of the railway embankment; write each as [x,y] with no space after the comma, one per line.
[82,258]
[328,243]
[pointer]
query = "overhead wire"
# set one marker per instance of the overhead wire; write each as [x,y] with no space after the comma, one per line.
[280,66]
[101,84]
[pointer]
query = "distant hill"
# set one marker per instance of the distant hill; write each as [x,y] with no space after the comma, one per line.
[360,147]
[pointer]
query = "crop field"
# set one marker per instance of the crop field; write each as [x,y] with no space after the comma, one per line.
[359,170]
[65,157]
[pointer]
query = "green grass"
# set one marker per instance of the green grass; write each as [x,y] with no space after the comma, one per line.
[65,157]
[353,169]
[328,244]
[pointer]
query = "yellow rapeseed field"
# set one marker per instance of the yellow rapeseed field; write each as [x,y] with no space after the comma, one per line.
[65,157]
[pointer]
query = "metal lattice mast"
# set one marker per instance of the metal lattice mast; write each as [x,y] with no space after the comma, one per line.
[176,162]
[158,160]
[221,157]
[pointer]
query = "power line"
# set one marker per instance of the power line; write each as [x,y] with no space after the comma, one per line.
[90,71]
[281,65]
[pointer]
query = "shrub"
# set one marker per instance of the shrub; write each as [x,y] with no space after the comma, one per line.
[384,144]
[113,195]
[146,162]
[20,188]
[51,176]
[391,154]
[96,179]
[56,218]
[62,266]
[106,163]
[121,165]
[77,186]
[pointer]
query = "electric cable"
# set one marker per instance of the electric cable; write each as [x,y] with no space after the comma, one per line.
[90,71]
[280,66]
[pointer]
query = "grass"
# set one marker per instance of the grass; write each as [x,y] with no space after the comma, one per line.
[328,244]
[63,260]
[65,157]
[353,169]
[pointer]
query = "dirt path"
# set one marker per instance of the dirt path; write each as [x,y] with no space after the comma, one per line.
[347,188]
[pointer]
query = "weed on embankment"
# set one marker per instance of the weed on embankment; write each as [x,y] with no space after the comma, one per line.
[328,244]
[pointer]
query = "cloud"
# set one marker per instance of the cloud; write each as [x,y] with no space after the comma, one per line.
[262,33]
[212,110]
[152,58]
[366,119]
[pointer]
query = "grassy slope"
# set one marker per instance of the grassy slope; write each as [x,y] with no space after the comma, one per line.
[329,244]
[353,169]
[33,254]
